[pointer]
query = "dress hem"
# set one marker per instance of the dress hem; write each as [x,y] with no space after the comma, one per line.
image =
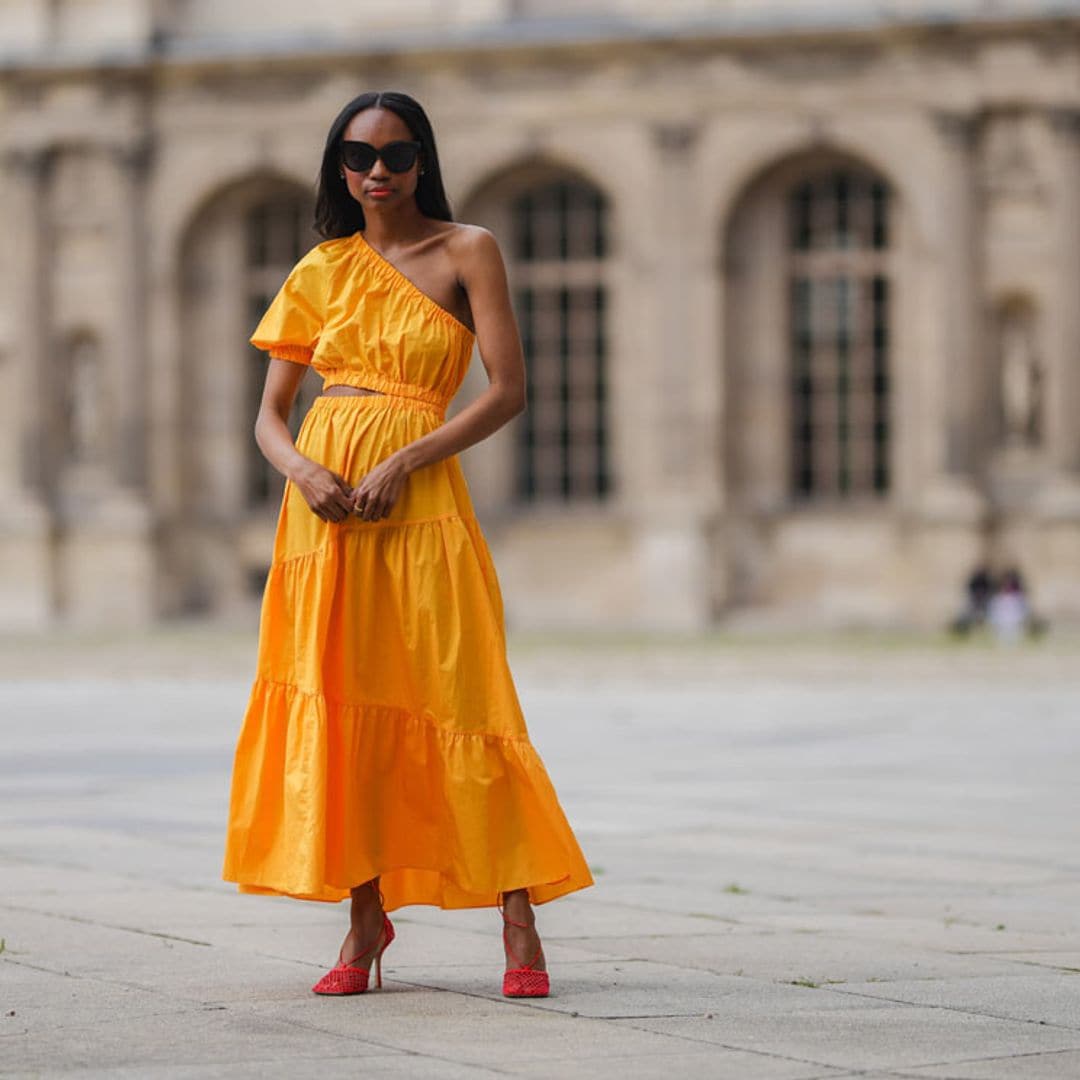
[539,893]
[451,817]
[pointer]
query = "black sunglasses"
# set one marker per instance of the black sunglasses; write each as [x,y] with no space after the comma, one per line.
[398,156]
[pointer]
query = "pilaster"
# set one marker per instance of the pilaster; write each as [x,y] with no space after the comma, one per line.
[1059,494]
[953,391]
[26,573]
[130,163]
[671,517]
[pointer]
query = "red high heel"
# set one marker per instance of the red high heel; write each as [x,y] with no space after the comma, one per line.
[523,980]
[344,979]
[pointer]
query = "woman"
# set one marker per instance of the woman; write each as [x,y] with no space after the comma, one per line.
[383,755]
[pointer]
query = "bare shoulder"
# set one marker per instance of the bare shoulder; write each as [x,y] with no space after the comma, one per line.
[474,249]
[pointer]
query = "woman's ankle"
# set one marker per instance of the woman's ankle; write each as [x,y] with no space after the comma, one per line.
[366,906]
[516,907]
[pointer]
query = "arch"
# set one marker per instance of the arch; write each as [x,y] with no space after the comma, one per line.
[809,354]
[232,260]
[808,251]
[554,225]
[787,169]
[514,175]
[182,212]
[234,196]
[894,160]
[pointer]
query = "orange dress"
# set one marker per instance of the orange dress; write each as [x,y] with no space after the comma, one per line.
[383,734]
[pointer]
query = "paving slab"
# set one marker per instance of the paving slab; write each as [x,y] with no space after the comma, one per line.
[793,956]
[716,1063]
[1048,999]
[206,1035]
[810,862]
[884,1037]
[1048,1066]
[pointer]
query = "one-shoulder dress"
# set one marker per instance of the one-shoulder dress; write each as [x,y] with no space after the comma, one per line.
[383,734]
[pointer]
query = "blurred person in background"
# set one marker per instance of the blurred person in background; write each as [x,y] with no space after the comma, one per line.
[1008,611]
[980,589]
[383,755]
[999,603]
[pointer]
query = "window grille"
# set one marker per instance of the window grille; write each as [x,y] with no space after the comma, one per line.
[558,253]
[840,336]
[277,233]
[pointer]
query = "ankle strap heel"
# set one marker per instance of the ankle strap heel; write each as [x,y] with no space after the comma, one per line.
[343,978]
[522,980]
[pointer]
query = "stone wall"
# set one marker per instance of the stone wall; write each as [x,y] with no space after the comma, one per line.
[119,178]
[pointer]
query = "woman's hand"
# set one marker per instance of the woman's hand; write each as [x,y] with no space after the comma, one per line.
[375,495]
[328,495]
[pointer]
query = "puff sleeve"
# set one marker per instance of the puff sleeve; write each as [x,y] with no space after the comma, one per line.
[291,325]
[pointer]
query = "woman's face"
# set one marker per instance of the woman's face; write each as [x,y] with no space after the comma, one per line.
[378,187]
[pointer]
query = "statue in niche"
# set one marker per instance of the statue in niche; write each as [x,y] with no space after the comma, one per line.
[1021,378]
[84,419]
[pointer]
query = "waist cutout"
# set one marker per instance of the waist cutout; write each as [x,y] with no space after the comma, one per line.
[393,396]
[341,390]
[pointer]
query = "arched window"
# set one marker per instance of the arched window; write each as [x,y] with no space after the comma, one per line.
[839,236]
[277,232]
[558,250]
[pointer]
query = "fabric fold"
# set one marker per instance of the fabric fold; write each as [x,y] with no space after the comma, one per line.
[330,794]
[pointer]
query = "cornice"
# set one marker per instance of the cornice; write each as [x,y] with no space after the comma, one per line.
[545,38]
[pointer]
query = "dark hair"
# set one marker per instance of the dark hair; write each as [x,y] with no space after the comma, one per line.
[337,213]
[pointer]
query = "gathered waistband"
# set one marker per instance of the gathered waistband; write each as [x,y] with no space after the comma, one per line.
[409,395]
[379,400]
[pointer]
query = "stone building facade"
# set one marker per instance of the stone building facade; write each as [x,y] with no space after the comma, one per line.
[800,296]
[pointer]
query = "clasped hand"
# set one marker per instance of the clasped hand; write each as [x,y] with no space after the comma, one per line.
[333,499]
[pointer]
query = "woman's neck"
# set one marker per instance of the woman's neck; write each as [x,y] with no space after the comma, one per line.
[395,227]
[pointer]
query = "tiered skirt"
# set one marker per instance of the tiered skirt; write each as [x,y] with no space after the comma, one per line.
[383,735]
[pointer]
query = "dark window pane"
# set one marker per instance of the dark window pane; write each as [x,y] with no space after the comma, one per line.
[562,449]
[839,336]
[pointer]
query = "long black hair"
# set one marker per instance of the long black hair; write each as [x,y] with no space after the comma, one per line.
[337,213]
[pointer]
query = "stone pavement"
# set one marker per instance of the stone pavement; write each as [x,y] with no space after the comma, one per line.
[813,860]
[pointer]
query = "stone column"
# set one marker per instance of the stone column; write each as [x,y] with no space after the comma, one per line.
[950,509]
[131,162]
[26,575]
[672,519]
[107,564]
[1052,556]
[957,386]
[1060,494]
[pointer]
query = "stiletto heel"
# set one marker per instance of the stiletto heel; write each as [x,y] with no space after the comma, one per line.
[522,980]
[345,979]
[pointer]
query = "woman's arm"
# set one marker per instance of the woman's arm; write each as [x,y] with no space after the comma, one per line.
[328,495]
[483,275]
